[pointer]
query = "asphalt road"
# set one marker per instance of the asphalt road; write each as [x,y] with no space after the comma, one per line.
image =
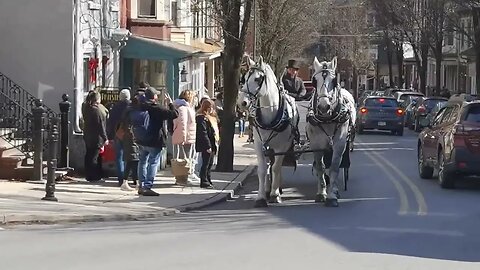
[388,219]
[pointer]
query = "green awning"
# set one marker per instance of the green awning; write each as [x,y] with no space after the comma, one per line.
[139,47]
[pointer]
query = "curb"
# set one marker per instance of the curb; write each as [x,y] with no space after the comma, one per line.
[234,187]
[226,194]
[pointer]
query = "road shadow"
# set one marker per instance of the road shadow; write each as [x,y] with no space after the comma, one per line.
[367,221]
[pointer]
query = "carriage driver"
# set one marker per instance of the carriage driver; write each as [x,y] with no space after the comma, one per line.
[291,82]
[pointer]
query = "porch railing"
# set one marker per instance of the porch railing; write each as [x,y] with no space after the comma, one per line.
[16,118]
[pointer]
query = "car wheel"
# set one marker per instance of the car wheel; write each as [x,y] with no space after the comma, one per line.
[410,125]
[425,171]
[400,132]
[417,125]
[445,178]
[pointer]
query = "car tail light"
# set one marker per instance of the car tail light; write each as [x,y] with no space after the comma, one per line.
[422,109]
[400,112]
[467,135]
[363,110]
[459,136]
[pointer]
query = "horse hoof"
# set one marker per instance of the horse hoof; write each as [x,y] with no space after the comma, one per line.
[275,199]
[262,203]
[320,198]
[331,203]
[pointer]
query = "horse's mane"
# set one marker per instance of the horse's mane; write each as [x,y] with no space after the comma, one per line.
[270,75]
[270,71]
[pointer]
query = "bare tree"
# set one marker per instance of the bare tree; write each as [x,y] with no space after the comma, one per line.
[234,17]
[461,9]
[420,23]
[285,27]
[348,33]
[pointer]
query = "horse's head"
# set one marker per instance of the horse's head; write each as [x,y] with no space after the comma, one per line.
[255,79]
[324,80]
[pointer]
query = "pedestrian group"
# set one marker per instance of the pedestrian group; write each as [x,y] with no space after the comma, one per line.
[138,128]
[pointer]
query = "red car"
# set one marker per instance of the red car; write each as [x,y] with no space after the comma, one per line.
[451,143]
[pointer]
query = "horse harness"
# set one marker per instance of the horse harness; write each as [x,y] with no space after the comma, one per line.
[281,121]
[340,114]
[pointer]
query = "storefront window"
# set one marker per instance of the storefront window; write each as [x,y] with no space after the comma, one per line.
[152,72]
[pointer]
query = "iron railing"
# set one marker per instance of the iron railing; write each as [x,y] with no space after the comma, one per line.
[16,117]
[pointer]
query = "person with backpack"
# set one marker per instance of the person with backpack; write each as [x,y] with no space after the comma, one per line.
[124,134]
[147,126]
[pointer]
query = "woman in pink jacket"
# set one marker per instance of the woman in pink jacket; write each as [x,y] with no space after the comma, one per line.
[184,128]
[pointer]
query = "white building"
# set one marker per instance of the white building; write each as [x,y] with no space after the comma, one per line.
[52,47]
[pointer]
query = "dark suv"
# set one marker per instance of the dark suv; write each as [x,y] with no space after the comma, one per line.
[380,113]
[451,143]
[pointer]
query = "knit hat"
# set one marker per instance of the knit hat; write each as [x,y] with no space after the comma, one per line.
[150,93]
[125,94]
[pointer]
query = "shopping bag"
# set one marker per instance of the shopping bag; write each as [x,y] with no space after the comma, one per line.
[180,166]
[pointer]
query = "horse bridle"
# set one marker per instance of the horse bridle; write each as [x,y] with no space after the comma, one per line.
[325,72]
[260,81]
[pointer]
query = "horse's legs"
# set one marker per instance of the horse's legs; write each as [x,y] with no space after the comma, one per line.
[262,167]
[332,189]
[319,167]
[276,180]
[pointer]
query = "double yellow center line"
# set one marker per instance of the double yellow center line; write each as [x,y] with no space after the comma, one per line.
[397,177]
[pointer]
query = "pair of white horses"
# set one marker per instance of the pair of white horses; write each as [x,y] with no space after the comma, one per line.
[276,118]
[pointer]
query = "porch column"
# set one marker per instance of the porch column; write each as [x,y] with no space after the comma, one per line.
[172,78]
[176,78]
[211,77]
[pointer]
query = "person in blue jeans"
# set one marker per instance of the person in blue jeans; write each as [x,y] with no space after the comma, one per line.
[241,116]
[115,117]
[150,150]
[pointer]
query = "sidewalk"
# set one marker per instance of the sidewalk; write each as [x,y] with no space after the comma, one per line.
[81,201]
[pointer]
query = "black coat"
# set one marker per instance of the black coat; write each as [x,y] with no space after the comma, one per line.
[130,148]
[115,116]
[294,85]
[158,116]
[94,130]
[205,137]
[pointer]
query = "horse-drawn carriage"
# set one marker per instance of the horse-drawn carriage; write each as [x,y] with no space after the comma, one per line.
[329,130]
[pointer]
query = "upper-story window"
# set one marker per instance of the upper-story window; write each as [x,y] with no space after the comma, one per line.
[174,10]
[449,39]
[147,8]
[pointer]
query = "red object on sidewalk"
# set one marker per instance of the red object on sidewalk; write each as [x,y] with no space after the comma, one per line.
[108,154]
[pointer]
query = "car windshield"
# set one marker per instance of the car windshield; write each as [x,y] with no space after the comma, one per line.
[409,97]
[431,103]
[381,102]
[473,114]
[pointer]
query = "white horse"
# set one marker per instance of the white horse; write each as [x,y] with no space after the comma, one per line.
[332,111]
[276,120]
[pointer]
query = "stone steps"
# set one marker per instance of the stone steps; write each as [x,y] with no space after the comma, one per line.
[11,161]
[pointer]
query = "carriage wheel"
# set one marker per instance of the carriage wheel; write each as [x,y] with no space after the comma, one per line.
[345,178]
